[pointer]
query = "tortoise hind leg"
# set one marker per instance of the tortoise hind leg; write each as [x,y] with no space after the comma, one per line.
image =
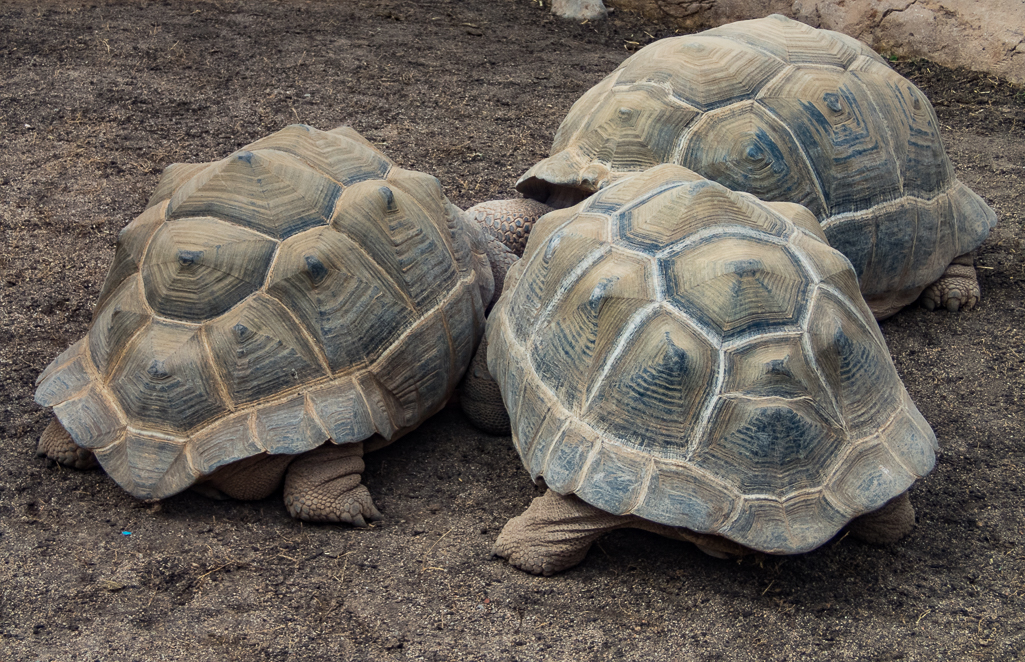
[957,289]
[554,533]
[323,485]
[480,397]
[888,524]
[56,444]
[250,479]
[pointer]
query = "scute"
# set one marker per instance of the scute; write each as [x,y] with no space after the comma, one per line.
[260,351]
[166,381]
[736,284]
[131,246]
[746,148]
[267,191]
[116,323]
[578,332]
[198,268]
[855,363]
[741,389]
[706,71]
[772,446]
[342,155]
[656,224]
[794,42]
[399,236]
[653,395]
[341,295]
[303,289]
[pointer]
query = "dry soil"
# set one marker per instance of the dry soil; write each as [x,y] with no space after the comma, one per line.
[96,98]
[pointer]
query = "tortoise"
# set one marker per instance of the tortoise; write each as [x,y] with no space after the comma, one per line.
[679,357]
[268,318]
[788,113]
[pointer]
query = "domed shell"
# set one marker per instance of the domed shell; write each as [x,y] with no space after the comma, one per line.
[302,289]
[678,351]
[788,113]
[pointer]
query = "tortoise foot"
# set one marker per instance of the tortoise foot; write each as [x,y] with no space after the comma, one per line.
[323,485]
[886,525]
[56,444]
[957,289]
[554,534]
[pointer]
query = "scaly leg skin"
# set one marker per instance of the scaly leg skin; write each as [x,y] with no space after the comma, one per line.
[888,524]
[253,478]
[553,534]
[56,444]
[480,398]
[556,532]
[509,221]
[323,485]
[957,289]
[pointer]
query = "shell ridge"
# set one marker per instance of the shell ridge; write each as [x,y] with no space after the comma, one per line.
[772,82]
[311,411]
[815,178]
[785,331]
[219,384]
[884,439]
[304,333]
[382,274]
[622,340]
[719,230]
[823,386]
[462,284]
[858,314]
[453,351]
[567,419]
[144,251]
[445,236]
[709,406]
[129,342]
[707,333]
[646,479]
[371,408]
[210,213]
[884,129]
[566,284]
[585,466]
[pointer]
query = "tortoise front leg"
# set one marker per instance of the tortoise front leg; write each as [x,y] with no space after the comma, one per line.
[323,485]
[957,289]
[509,221]
[56,444]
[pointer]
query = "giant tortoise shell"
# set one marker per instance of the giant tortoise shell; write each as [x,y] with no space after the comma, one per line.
[702,362]
[789,113]
[301,290]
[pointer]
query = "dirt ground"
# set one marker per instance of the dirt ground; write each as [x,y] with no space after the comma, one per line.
[96,98]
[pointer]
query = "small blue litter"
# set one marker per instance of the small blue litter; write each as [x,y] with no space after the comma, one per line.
[126,533]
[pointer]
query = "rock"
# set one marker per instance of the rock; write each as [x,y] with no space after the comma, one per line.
[984,36]
[579,10]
